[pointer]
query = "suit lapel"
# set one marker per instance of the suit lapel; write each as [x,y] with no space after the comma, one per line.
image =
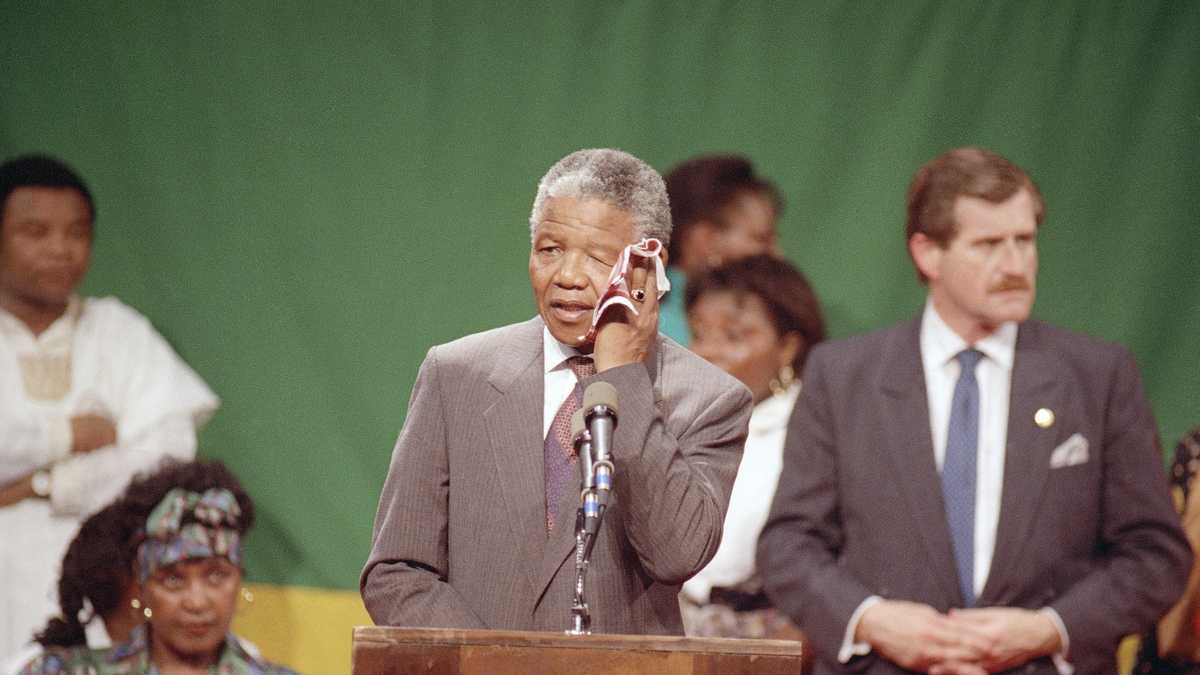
[514,422]
[1027,453]
[905,424]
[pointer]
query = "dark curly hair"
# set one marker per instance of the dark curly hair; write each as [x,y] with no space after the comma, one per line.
[701,187]
[790,299]
[99,561]
[97,566]
[41,171]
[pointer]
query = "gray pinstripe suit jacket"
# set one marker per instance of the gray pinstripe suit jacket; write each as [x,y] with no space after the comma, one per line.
[460,538]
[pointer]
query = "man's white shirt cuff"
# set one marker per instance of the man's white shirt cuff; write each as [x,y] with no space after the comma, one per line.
[1059,657]
[850,648]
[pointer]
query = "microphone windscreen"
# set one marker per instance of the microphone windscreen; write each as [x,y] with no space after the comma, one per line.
[600,393]
[577,424]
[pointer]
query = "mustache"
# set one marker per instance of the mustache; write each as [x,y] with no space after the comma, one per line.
[1012,282]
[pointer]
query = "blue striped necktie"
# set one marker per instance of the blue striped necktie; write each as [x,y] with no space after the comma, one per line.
[958,471]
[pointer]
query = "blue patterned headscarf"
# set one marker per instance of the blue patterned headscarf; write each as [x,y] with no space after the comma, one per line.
[187,525]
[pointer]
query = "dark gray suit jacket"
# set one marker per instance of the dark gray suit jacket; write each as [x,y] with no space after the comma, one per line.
[859,506]
[460,535]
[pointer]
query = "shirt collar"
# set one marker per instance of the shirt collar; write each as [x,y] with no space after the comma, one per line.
[940,344]
[64,324]
[774,411]
[554,353]
[677,278]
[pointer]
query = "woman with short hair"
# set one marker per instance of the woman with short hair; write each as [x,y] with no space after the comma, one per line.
[757,319]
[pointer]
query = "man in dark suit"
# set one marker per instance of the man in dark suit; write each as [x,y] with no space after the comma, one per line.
[475,527]
[972,490]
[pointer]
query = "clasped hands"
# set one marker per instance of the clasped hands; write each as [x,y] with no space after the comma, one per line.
[962,642]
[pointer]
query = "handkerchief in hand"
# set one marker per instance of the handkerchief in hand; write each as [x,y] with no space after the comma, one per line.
[617,292]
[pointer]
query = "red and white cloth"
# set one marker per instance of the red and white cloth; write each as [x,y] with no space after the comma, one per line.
[617,292]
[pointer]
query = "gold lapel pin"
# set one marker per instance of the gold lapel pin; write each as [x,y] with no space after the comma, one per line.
[1044,418]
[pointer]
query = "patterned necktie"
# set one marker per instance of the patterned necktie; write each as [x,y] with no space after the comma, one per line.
[958,471]
[559,451]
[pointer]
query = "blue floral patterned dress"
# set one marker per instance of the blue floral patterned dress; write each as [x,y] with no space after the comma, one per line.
[133,658]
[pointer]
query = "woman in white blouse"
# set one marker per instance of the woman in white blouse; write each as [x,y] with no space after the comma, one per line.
[757,319]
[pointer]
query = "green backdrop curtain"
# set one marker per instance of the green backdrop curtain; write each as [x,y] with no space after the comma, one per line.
[305,198]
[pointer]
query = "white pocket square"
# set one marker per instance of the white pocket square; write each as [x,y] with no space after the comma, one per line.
[1071,452]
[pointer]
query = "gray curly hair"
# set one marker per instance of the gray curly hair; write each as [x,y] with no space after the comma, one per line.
[615,177]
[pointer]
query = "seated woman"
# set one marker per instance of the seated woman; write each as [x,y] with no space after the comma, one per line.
[189,519]
[755,318]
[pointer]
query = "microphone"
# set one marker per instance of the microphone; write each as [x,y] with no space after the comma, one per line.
[600,415]
[582,441]
[588,521]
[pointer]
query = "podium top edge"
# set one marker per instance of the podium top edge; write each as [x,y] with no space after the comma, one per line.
[674,643]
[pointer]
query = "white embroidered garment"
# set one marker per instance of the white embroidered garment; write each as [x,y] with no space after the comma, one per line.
[118,366]
[750,501]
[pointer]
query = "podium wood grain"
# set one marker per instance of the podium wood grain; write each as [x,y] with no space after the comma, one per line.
[437,651]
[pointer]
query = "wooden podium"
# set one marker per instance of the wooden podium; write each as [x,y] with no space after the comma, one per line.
[439,651]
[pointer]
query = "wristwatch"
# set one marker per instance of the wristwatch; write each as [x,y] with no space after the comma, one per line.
[40,481]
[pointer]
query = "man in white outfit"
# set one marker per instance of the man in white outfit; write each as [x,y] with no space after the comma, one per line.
[90,393]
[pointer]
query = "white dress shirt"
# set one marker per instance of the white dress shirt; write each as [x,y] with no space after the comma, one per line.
[559,379]
[939,345]
[750,501]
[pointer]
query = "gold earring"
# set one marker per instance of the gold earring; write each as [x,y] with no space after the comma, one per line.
[782,381]
[247,596]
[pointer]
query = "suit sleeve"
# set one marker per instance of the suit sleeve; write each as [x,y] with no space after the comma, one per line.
[404,582]
[799,547]
[674,491]
[1146,557]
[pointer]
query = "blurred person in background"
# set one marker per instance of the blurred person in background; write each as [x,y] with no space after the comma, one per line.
[756,319]
[189,520]
[90,393]
[723,211]
[1173,648]
[972,490]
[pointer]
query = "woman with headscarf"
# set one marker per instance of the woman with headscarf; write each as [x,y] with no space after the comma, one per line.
[187,550]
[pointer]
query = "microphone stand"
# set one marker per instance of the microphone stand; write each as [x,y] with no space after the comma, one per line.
[587,514]
[593,441]
[581,618]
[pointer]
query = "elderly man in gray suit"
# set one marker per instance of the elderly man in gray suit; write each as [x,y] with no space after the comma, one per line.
[972,490]
[475,527]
